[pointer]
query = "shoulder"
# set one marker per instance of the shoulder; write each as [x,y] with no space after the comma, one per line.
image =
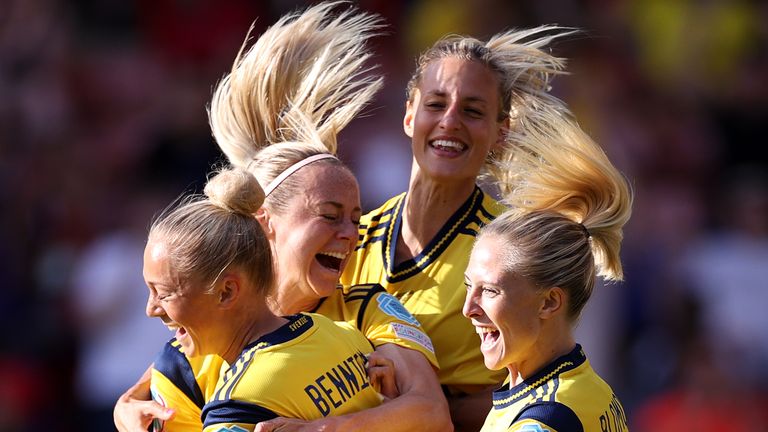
[545,415]
[383,210]
[177,372]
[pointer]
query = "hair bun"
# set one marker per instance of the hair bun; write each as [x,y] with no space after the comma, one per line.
[235,190]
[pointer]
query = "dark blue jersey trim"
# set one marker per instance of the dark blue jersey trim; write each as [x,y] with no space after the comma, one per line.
[285,333]
[174,365]
[235,411]
[448,232]
[506,396]
[554,414]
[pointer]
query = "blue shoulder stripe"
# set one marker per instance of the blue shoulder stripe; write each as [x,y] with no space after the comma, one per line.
[235,411]
[172,363]
[555,414]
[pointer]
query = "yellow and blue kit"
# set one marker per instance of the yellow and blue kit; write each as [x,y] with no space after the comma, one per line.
[309,368]
[431,285]
[186,384]
[566,395]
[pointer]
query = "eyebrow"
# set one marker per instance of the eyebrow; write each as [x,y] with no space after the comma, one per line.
[339,206]
[441,93]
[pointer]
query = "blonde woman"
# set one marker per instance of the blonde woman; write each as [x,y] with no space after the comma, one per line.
[276,115]
[208,268]
[533,269]
[462,100]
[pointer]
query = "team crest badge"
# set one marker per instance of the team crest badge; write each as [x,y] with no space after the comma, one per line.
[392,306]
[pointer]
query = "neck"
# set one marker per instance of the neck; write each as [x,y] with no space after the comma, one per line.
[257,321]
[287,300]
[429,205]
[540,356]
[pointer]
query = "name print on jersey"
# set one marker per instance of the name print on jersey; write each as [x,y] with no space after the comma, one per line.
[614,418]
[339,384]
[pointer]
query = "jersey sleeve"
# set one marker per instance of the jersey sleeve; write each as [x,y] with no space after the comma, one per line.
[383,319]
[173,385]
[547,416]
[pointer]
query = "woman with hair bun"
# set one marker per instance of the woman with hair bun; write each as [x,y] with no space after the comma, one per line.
[533,269]
[208,267]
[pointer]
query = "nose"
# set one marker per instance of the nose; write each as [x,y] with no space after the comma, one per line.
[153,308]
[348,231]
[450,119]
[471,308]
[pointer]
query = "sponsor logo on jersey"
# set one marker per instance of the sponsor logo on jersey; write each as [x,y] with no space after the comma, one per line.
[413,334]
[392,307]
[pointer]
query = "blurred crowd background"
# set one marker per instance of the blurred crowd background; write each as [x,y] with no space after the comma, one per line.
[103,123]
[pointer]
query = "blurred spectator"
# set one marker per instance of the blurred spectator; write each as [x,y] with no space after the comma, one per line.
[728,273]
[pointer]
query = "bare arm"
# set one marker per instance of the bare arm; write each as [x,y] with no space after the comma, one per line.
[420,406]
[135,409]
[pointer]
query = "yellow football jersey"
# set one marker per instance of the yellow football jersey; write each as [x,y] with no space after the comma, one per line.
[183,384]
[186,384]
[566,395]
[379,316]
[431,285]
[309,368]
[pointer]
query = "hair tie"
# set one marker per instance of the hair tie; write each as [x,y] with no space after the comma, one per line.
[293,168]
[586,231]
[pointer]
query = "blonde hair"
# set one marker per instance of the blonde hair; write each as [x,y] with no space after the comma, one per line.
[568,208]
[293,90]
[206,234]
[523,67]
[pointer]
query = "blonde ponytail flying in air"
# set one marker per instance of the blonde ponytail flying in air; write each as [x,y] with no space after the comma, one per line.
[289,94]
[568,208]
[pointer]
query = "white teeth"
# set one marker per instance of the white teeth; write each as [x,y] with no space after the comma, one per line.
[483,330]
[339,255]
[449,144]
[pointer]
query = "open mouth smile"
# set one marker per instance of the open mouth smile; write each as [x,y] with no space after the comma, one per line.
[331,260]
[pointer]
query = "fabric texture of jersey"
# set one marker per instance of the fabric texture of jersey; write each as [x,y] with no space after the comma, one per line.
[431,285]
[309,368]
[565,396]
[185,384]
[379,316]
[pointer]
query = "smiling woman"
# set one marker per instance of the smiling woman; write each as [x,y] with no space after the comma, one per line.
[533,269]
[462,100]
[208,267]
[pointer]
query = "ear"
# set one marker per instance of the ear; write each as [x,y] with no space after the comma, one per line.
[264,217]
[229,290]
[553,302]
[408,118]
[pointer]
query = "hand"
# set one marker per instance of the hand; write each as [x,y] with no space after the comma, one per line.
[135,409]
[381,372]
[135,415]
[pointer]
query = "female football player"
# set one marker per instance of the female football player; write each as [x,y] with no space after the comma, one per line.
[462,100]
[533,269]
